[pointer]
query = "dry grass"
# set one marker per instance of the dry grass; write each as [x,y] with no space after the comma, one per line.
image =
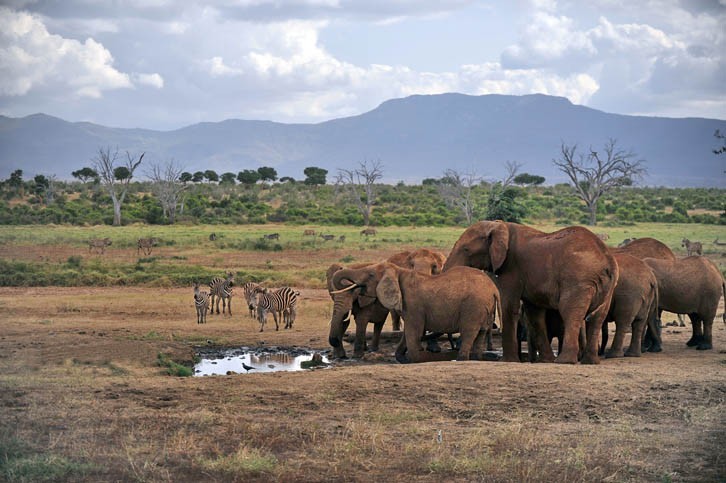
[82,388]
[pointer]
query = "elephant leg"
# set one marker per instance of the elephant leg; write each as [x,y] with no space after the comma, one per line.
[636,338]
[697,329]
[538,327]
[510,319]
[573,312]
[377,327]
[467,337]
[401,356]
[622,320]
[359,345]
[603,339]
[490,346]
[706,338]
[396,321]
[413,345]
[477,350]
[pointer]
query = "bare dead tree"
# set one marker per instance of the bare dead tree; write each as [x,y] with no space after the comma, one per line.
[360,186]
[593,175]
[168,187]
[512,169]
[456,190]
[114,177]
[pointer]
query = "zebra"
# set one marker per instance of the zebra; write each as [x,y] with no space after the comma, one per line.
[145,244]
[201,302]
[368,231]
[341,239]
[327,237]
[250,290]
[692,248]
[271,236]
[99,244]
[213,237]
[309,233]
[282,303]
[221,289]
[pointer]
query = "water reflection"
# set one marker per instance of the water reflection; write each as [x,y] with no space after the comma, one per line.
[252,363]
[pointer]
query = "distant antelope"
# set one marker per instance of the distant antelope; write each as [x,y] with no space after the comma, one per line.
[341,238]
[368,231]
[201,302]
[692,247]
[99,244]
[272,236]
[221,289]
[327,237]
[309,233]
[716,242]
[145,245]
[213,237]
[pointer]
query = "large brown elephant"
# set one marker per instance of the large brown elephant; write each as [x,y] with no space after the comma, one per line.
[693,286]
[367,310]
[461,300]
[570,271]
[634,304]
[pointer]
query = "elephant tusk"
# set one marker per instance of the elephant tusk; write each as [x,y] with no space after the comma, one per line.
[350,287]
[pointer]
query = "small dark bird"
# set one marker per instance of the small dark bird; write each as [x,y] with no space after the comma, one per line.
[246,367]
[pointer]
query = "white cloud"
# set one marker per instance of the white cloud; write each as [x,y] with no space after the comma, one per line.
[153,80]
[31,57]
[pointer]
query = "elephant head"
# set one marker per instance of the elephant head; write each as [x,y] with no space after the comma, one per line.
[370,283]
[343,301]
[484,245]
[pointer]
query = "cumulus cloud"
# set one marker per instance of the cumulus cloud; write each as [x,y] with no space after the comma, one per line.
[31,57]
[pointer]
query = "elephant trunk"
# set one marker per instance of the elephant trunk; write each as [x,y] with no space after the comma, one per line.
[339,322]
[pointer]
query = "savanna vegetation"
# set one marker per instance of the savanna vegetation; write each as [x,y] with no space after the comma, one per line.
[49,201]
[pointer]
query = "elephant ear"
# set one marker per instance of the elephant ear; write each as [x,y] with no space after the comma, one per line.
[499,244]
[389,292]
[329,275]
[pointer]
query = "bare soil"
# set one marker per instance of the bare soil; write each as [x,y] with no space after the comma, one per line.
[79,379]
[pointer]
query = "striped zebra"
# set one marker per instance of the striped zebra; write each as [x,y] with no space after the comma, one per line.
[145,245]
[250,290]
[201,302]
[282,303]
[221,289]
[99,244]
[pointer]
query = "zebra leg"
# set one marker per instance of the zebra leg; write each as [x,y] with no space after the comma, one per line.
[277,324]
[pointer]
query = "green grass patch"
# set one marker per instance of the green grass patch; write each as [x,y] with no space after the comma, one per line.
[20,463]
[173,368]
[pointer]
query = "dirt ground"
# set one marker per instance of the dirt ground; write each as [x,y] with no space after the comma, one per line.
[80,385]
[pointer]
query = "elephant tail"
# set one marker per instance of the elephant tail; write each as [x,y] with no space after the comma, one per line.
[609,279]
[653,313]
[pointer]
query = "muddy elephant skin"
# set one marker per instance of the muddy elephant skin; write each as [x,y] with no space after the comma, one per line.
[570,270]
[461,300]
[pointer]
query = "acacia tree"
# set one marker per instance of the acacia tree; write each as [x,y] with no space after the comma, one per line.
[360,186]
[456,190]
[169,186]
[592,175]
[85,174]
[115,178]
[502,201]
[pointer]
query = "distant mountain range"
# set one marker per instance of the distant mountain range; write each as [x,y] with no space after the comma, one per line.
[414,138]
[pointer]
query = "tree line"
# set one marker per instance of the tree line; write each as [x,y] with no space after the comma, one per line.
[601,189]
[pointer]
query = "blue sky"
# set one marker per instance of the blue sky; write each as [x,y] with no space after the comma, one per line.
[163,64]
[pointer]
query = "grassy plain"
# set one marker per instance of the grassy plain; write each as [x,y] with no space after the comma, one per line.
[84,398]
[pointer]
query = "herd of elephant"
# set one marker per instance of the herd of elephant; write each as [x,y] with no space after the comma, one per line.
[565,285]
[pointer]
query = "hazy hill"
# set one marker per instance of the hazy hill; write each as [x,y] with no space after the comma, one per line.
[414,137]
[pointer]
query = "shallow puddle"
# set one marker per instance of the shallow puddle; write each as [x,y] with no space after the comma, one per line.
[230,361]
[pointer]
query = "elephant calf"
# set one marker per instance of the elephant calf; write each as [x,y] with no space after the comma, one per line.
[461,300]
